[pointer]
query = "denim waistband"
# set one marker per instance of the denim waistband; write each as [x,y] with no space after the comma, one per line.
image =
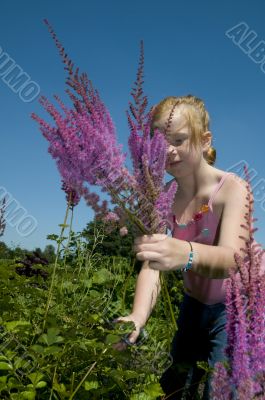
[191,300]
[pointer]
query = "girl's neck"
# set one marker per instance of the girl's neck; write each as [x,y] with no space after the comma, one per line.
[192,185]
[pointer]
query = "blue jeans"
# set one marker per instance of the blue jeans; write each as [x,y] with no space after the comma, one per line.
[201,336]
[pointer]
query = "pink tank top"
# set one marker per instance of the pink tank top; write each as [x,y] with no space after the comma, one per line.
[204,230]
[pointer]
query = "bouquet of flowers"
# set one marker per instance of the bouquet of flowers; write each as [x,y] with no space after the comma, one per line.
[82,140]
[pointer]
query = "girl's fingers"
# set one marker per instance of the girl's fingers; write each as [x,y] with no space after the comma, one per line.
[146,247]
[155,265]
[148,255]
[156,247]
[128,339]
[120,346]
[150,238]
[134,336]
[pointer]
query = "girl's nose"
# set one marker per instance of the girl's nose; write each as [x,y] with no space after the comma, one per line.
[172,149]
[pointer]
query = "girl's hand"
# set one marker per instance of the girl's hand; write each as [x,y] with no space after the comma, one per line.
[163,253]
[122,345]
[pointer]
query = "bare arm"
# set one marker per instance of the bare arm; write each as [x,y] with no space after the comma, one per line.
[146,293]
[212,262]
[209,261]
[215,261]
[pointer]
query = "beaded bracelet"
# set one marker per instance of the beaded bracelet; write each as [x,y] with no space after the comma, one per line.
[189,264]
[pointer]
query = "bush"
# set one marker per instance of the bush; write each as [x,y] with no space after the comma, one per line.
[72,356]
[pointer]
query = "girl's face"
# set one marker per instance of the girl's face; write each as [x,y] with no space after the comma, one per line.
[182,158]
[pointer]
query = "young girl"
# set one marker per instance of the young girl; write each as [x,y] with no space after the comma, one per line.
[207,212]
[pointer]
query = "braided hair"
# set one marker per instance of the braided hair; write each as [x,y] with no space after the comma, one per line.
[196,114]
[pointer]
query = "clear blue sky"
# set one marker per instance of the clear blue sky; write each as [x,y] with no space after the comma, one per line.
[186,51]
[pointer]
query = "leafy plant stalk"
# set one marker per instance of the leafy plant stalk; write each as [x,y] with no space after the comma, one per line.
[66,250]
[63,226]
[85,376]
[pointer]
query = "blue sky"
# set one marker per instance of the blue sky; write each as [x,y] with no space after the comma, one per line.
[187,50]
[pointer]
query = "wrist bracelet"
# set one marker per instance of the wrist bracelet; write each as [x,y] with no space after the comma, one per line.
[189,264]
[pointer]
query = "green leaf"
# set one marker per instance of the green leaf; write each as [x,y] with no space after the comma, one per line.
[68,286]
[59,387]
[112,338]
[127,374]
[20,362]
[28,395]
[125,327]
[86,343]
[40,310]
[51,337]
[116,375]
[2,386]
[154,390]
[63,225]
[52,350]
[102,276]
[203,365]
[13,325]
[5,366]
[53,331]
[35,377]
[91,385]
[41,385]
[3,358]
[94,294]
[93,318]
[87,283]
[52,237]
[37,348]
[16,396]
[14,383]
[140,396]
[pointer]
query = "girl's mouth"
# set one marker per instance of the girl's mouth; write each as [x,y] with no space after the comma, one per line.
[174,163]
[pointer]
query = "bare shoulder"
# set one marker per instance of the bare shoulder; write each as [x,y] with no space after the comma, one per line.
[234,186]
[235,200]
[234,179]
[236,182]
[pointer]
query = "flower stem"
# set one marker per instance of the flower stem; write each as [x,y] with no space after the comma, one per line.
[53,379]
[142,228]
[164,287]
[125,286]
[132,218]
[63,226]
[68,242]
[85,376]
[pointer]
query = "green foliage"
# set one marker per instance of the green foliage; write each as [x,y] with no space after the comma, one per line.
[74,357]
[11,253]
[7,253]
[111,244]
[49,253]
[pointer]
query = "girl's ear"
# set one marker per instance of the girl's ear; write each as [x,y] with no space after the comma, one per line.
[206,140]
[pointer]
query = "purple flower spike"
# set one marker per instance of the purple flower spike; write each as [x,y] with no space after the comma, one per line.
[82,140]
[245,309]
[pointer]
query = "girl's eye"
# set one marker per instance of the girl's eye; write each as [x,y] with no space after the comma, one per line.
[179,141]
[174,141]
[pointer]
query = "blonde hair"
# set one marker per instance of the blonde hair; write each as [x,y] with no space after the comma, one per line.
[196,114]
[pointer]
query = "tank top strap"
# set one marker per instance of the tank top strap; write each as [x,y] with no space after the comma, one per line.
[217,188]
